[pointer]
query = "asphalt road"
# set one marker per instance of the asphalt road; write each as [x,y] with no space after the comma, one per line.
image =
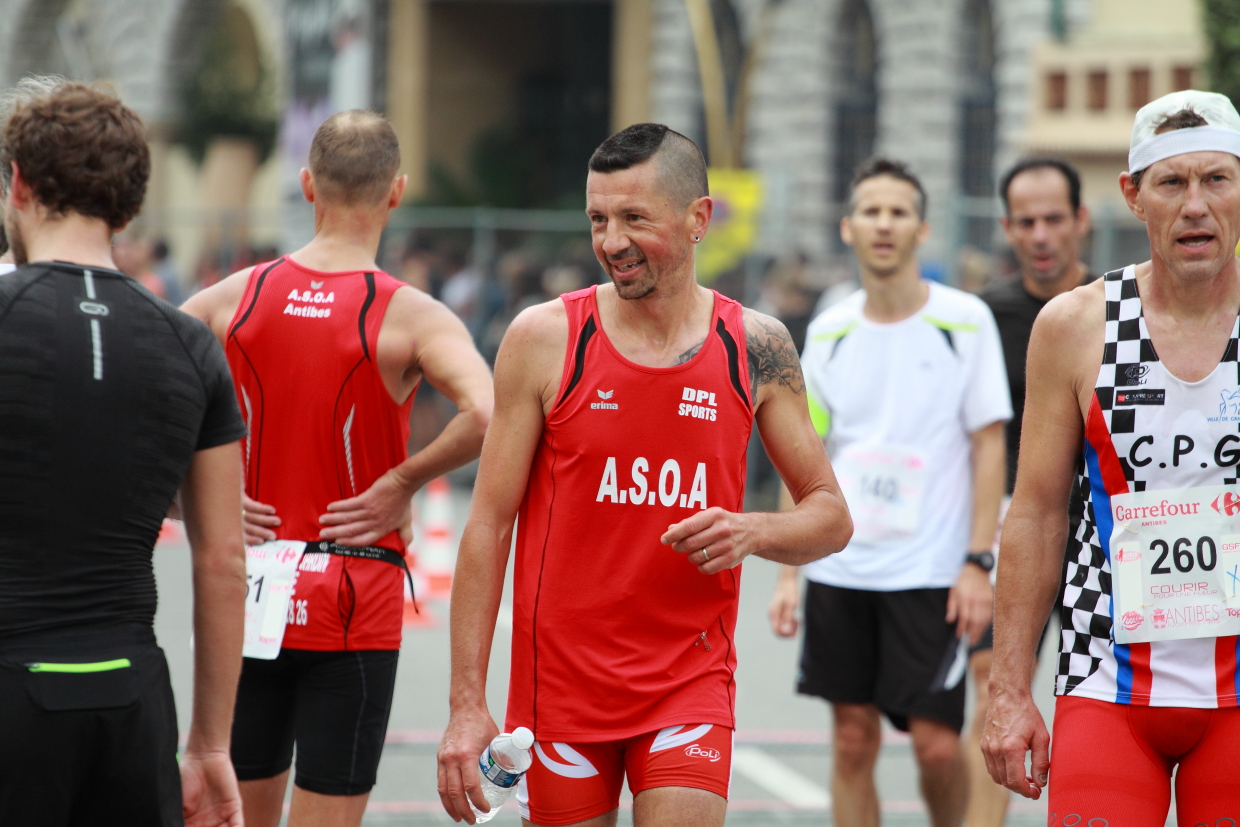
[780,767]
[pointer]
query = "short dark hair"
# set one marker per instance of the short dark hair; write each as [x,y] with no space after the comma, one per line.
[1186,118]
[354,156]
[1028,164]
[877,167]
[681,164]
[81,150]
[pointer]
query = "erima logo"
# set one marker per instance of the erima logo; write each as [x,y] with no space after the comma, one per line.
[604,406]
[315,285]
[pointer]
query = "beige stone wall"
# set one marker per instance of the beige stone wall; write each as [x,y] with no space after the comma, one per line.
[1117,37]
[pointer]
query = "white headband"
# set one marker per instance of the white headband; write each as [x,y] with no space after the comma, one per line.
[1178,141]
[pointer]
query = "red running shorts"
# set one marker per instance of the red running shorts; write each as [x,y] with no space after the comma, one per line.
[568,783]
[1111,765]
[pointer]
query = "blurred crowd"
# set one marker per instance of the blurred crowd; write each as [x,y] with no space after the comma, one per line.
[535,269]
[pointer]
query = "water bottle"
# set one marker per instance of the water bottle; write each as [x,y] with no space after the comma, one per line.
[501,766]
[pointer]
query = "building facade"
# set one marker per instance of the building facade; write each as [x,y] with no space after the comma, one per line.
[958,89]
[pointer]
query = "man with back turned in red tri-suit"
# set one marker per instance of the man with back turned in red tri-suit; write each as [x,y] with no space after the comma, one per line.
[326,352]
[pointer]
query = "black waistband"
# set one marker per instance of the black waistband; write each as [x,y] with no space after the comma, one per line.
[100,642]
[383,555]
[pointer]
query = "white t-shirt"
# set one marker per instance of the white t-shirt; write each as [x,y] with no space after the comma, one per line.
[896,404]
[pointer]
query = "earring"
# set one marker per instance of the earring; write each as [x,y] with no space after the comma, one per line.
[697,238]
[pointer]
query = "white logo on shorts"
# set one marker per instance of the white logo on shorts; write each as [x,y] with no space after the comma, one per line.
[674,736]
[579,766]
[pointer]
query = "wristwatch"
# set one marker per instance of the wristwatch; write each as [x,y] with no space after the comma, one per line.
[982,559]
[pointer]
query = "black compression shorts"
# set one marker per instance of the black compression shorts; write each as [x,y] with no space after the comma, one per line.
[92,748]
[881,648]
[333,705]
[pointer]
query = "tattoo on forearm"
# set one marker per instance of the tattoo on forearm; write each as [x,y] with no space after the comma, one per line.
[772,356]
[690,353]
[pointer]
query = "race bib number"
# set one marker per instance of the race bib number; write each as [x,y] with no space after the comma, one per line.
[883,486]
[1175,564]
[270,570]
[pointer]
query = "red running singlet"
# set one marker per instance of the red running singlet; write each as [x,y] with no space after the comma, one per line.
[322,428]
[614,633]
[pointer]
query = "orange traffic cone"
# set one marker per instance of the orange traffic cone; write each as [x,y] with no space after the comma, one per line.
[437,557]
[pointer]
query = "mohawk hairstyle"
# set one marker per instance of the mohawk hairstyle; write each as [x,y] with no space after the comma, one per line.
[682,169]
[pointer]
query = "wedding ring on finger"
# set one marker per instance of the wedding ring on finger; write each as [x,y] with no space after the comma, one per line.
[705,556]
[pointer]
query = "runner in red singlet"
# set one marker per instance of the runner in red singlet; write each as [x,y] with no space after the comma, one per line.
[623,418]
[1135,379]
[326,352]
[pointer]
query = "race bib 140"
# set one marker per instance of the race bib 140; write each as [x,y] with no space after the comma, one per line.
[883,485]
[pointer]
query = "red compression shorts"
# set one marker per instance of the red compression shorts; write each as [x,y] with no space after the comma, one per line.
[568,783]
[1111,765]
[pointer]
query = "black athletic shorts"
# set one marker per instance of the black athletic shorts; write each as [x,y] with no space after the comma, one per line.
[883,648]
[89,741]
[333,705]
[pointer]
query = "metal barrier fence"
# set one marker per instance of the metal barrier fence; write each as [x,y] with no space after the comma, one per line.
[485,233]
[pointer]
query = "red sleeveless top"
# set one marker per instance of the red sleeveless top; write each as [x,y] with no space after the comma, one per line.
[614,633]
[322,428]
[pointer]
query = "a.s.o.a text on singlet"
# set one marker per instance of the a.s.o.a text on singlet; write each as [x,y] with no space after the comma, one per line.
[616,634]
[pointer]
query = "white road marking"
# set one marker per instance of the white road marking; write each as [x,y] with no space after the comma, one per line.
[780,779]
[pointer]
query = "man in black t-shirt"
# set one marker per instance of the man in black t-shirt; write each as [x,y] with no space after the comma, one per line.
[1044,224]
[111,401]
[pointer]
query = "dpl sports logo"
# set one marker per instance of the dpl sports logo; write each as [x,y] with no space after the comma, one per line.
[1227,504]
[711,754]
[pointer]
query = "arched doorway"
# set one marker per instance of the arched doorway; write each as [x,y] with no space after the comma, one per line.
[977,118]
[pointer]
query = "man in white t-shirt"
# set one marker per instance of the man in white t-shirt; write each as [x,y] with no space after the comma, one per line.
[907,387]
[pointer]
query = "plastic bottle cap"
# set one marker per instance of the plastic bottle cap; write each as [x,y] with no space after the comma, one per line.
[522,738]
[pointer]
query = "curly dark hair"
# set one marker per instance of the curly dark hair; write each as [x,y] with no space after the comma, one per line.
[81,150]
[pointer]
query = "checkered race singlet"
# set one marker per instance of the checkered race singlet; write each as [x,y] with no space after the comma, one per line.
[1145,429]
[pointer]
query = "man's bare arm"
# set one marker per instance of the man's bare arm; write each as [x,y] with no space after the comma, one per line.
[216,304]
[1035,531]
[444,354]
[525,370]
[970,602]
[819,524]
[211,503]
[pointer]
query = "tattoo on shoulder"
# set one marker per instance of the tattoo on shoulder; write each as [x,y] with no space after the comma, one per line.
[690,353]
[772,356]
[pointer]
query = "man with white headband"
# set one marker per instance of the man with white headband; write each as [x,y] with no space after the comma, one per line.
[1134,380]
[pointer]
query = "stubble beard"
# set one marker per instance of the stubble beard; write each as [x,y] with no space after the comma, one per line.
[637,289]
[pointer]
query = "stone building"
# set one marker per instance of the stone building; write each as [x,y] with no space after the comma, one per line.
[957,88]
